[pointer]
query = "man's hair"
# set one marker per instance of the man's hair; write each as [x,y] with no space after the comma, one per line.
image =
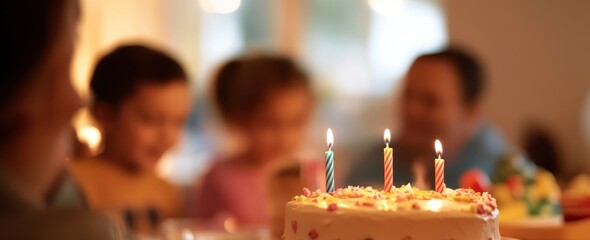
[243,85]
[118,74]
[471,73]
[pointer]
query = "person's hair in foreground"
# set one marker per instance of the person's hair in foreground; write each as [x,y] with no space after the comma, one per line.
[141,100]
[36,104]
[267,100]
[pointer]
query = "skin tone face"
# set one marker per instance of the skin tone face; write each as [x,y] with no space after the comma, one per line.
[35,157]
[276,130]
[433,108]
[145,125]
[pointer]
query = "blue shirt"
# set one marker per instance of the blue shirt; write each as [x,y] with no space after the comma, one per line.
[483,150]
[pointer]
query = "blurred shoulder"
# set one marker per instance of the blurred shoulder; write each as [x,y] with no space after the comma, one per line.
[91,164]
[219,167]
[85,170]
[489,141]
[166,185]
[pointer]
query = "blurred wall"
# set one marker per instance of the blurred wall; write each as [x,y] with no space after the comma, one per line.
[537,55]
[106,24]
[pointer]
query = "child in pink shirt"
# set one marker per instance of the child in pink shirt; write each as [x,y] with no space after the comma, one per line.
[267,100]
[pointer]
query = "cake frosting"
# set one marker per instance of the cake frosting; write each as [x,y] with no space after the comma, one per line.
[405,213]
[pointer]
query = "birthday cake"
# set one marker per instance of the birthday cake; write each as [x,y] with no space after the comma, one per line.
[404,213]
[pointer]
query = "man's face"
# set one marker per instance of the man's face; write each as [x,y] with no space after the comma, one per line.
[432,105]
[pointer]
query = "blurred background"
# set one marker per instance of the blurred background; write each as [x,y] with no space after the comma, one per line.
[357,51]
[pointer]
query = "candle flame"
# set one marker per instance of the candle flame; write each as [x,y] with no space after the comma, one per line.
[438,148]
[387,136]
[330,138]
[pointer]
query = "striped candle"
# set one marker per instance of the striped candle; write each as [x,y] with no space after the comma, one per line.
[330,162]
[387,162]
[439,168]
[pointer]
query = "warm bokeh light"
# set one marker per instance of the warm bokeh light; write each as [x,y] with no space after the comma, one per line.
[434,205]
[90,136]
[220,6]
[438,148]
[386,7]
[187,234]
[165,165]
[330,138]
[230,224]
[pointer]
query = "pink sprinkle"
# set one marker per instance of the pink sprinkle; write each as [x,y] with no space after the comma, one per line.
[400,198]
[332,207]
[306,192]
[315,200]
[313,234]
[415,206]
[294,226]
[355,195]
[480,209]
[377,196]
[491,205]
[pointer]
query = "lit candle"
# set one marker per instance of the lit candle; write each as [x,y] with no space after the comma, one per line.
[330,162]
[387,162]
[439,168]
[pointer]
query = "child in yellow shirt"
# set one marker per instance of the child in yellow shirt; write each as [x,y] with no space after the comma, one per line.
[141,101]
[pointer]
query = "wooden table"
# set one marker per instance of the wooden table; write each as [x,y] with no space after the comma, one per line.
[578,230]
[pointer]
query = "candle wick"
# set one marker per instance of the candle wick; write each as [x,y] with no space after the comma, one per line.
[439,156]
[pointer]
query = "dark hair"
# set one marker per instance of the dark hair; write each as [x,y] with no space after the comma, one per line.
[471,73]
[243,84]
[29,29]
[118,74]
[541,147]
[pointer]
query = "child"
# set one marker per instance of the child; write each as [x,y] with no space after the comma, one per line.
[141,101]
[267,100]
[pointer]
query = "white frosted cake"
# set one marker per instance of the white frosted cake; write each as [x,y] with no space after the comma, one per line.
[405,213]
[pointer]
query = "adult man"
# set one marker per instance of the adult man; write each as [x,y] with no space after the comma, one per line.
[442,98]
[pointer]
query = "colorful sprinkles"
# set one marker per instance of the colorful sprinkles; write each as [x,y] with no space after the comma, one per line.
[294,226]
[313,234]
[405,197]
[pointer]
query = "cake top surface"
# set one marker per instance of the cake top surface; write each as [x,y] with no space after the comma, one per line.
[403,198]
